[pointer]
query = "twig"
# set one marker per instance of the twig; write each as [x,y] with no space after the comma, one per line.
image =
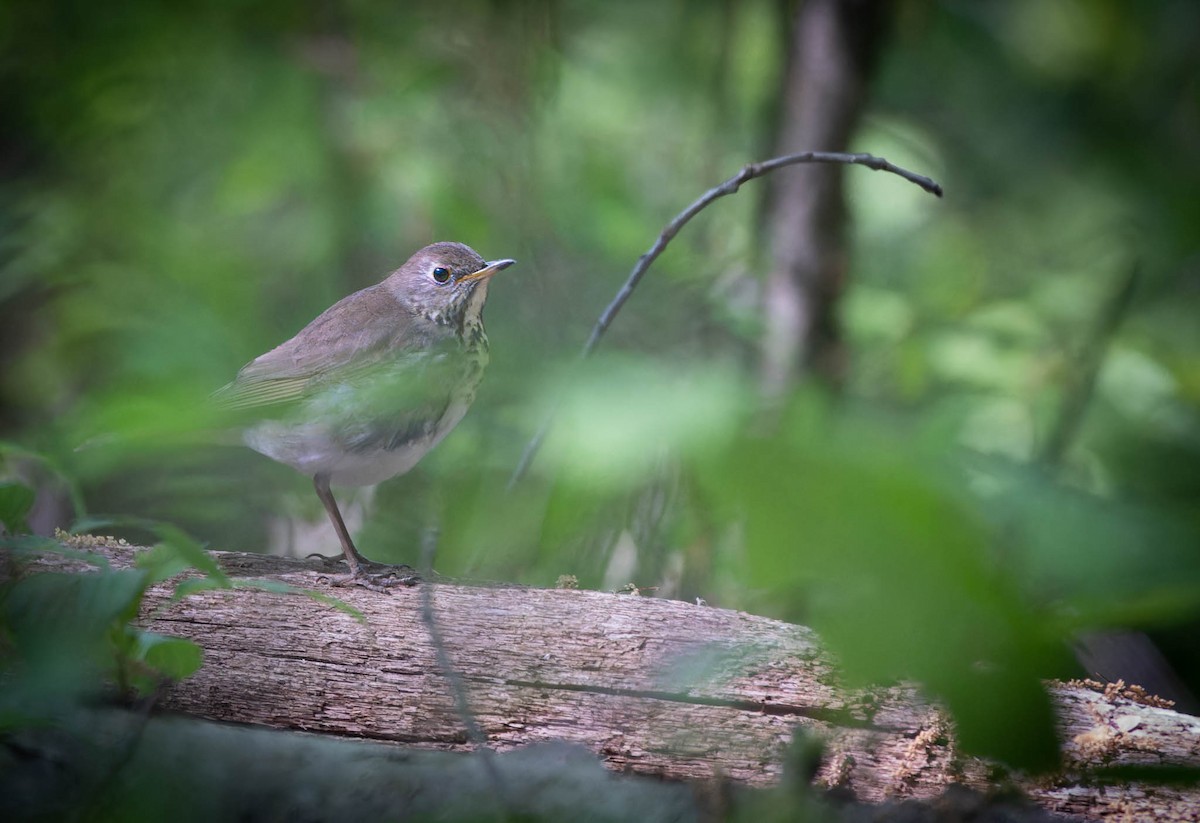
[459,690]
[1091,358]
[730,186]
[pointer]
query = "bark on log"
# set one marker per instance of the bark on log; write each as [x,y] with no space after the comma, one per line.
[654,687]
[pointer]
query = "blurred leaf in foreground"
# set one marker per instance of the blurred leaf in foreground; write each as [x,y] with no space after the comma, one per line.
[16,499]
[865,537]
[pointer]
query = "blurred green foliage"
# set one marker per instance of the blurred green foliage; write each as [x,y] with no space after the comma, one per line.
[69,637]
[186,187]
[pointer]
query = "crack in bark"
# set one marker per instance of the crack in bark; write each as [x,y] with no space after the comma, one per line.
[838,717]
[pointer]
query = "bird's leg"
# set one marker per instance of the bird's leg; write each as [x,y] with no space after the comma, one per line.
[353,559]
[358,564]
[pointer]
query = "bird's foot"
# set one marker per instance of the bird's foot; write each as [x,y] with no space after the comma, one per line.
[378,582]
[378,577]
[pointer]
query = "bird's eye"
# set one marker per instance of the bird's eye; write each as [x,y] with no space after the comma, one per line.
[441,274]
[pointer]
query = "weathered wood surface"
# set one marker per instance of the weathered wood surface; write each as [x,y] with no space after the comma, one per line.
[653,686]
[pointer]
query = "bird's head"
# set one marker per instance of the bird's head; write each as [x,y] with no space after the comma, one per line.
[446,282]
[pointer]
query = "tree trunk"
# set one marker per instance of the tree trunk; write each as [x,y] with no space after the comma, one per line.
[833,47]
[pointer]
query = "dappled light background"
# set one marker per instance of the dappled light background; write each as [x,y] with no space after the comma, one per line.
[186,188]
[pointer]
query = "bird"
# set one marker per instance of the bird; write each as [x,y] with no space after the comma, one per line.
[366,389]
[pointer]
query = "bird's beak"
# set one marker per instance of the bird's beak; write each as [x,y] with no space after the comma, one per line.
[487,271]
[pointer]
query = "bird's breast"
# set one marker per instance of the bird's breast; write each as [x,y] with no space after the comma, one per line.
[381,423]
[475,356]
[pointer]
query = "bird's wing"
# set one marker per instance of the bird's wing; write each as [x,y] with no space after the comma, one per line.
[355,335]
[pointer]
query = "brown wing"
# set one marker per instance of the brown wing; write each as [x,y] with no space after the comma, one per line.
[355,334]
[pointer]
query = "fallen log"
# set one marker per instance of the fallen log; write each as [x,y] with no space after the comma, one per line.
[653,687]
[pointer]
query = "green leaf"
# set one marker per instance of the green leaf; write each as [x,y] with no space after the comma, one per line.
[173,656]
[195,585]
[189,550]
[31,545]
[90,524]
[62,632]
[161,563]
[172,541]
[86,604]
[16,500]
[65,482]
[601,440]
[279,587]
[871,543]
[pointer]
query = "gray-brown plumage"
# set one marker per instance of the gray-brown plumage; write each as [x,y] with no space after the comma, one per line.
[376,381]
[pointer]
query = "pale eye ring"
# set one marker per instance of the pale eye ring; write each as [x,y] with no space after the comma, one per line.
[441,274]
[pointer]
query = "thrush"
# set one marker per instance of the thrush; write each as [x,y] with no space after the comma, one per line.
[366,389]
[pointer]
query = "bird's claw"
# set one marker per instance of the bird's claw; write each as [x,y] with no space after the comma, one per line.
[382,578]
[378,577]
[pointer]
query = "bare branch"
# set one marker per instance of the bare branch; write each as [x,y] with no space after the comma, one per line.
[730,186]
